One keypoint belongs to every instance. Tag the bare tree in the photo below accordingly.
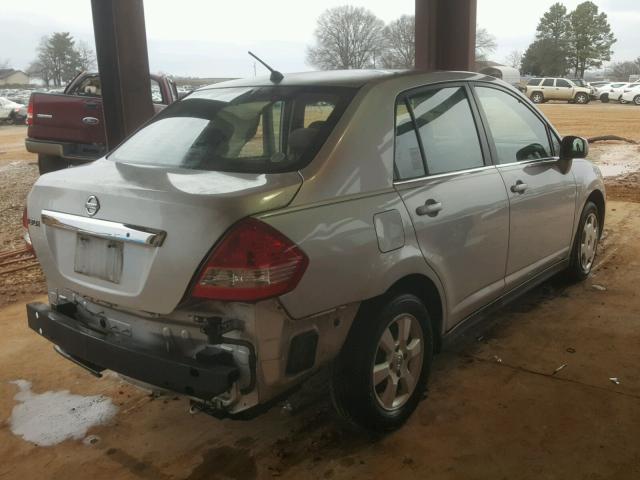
(485, 43)
(346, 37)
(86, 56)
(514, 59)
(399, 49)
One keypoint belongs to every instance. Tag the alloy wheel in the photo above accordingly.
(398, 362)
(589, 243)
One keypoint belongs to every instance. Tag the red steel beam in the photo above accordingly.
(445, 34)
(123, 63)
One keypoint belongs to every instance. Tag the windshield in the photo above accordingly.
(241, 129)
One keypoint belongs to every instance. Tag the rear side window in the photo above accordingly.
(240, 129)
(548, 82)
(562, 83)
(519, 135)
(409, 163)
(534, 82)
(447, 130)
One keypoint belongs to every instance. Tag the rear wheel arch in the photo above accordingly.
(422, 287)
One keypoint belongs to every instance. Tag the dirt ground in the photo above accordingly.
(594, 119)
(498, 407)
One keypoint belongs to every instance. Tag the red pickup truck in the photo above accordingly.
(67, 129)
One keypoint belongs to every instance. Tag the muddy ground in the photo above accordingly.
(498, 407)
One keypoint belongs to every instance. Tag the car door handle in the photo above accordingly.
(430, 208)
(91, 105)
(519, 187)
(90, 121)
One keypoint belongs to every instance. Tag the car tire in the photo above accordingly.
(51, 163)
(585, 244)
(537, 97)
(604, 98)
(378, 379)
(582, 99)
(636, 100)
(622, 101)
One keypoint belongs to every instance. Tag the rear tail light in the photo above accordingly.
(253, 261)
(30, 111)
(25, 229)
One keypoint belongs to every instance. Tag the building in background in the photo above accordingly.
(9, 76)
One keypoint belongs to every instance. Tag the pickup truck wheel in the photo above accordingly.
(537, 97)
(383, 368)
(51, 163)
(582, 99)
(585, 245)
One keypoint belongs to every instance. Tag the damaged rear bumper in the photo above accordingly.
(97, 351)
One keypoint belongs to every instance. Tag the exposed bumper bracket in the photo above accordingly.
(96, 352)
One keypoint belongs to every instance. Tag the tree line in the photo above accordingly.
(569, 42)
(60, 58)
(349, 37)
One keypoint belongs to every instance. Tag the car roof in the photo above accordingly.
(349, 78)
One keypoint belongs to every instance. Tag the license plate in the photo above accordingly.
(99, 258)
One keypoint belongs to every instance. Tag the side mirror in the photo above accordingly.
(573, 147)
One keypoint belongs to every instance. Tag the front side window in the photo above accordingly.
(519, 135)
(534, 82)
(548, 82)
(447, 130)
(562, 83)
(239, 129)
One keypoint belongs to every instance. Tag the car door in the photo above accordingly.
(541, 195)
(456, 199)
(564, 89)
(549, 89)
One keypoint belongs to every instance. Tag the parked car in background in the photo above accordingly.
(255, 232)
(609, 91)
(619, 92)
(541, 90)
(12, 112)
(66, 129)
(631, 94)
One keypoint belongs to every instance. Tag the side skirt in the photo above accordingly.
(475, 319)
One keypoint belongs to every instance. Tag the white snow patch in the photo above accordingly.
(52, 417)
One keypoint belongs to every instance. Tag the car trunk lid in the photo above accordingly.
(134, 236)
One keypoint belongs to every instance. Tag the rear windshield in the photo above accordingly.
(241, 129)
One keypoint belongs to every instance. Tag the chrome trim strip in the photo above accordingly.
(104, 229)
(44, 115)
(528, 162)
(443, 175)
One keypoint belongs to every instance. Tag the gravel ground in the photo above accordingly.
(18, 171)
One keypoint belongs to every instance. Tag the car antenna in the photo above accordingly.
(276, 76)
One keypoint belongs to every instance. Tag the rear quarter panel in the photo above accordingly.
(345, 262)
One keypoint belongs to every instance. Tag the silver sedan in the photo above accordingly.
(256, 232)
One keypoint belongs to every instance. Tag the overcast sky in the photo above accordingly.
(210, 38)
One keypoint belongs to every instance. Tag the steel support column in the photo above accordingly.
(123, 63)
(445, 34)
